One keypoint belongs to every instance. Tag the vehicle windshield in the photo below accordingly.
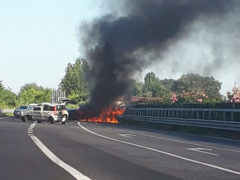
(23, 107)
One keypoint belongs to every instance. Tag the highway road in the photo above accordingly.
(111, 152)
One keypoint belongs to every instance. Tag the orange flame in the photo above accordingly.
(108, 115)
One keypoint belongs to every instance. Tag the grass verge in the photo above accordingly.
(7, 115)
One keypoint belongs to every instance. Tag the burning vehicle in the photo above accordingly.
(107, 115)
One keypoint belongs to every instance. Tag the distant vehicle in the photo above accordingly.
(50, 113)
(27, 114)
(19, 111)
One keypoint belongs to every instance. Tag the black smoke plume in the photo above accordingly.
(116, 46)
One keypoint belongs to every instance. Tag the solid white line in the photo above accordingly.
(75, 173)
(196, 144)
(162, 152)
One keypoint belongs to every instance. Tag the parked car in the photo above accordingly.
(50, 113)
(27, 114)
(19, 111)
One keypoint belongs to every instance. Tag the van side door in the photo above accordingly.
(46, 112)
(37, 113)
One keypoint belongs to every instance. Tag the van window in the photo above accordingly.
(51, 108)
(23, 107)
(37, 109)
(46, 107)
(61, 107)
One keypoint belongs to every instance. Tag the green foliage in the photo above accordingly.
(190, 88)
(32, 93)
(153, 87)
(7, 98)
(76, 82)
(137, 89)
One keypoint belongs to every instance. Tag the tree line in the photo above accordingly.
(189, 88)
(29, 93)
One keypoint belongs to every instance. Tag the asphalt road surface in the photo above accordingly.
(111, 152)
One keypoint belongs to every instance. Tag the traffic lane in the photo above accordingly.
(101, 158)
(188, 140)
(191, 140)
(169, 147)
(229, 144)
(213, 155)
(20, 159)
(89, 155)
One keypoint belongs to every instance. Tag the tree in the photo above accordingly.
(8, 99)
(153, 87)
(32, 93)
(137, 89)
(193, 88)
(75, 81)
(234, 97)
(189, 88)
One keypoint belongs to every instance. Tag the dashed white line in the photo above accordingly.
(75, 173)
(127, 135)
(162, 152)
(196, 144)
(203, 150)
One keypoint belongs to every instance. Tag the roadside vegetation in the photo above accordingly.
(188, 89)
(29, 93)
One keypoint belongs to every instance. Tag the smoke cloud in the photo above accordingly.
(118, 46)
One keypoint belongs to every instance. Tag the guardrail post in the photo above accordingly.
(197, 114)
(232, 116)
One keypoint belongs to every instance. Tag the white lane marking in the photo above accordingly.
(162, 152)
(131, 132)
(75, 173)
(127, 135)
(195, 144)
(203, 150)
(5, 117)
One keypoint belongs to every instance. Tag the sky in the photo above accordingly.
(39, 38)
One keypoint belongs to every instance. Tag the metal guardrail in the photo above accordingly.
(227, 119)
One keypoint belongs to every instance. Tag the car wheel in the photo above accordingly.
(39, 121)
(24, 119)
(29, 118)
